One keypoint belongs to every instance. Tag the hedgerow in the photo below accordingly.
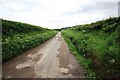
(18, 37)
(98, 43)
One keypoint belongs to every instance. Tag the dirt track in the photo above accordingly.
(52, 59)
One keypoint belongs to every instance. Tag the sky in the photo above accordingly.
(54, 14)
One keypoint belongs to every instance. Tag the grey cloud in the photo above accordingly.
(108, 8)
(119, 8)
(99, 6)
(27, 5)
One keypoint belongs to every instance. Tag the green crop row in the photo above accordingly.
(97, 48)
(15, 42)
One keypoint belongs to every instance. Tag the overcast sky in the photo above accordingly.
(54, 14)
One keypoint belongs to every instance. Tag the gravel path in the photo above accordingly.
(51, 59)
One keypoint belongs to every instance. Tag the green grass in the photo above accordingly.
(19, 37)
(96, 46)
(82, 61)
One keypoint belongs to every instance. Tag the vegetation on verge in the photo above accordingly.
(96, 46)
(18, 37)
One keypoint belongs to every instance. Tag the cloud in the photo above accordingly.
(102, 9)
(57, 13)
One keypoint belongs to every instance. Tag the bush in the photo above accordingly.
(99, 42)
(19, 37)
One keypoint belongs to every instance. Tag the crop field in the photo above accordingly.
(18, 37)
(96, 46)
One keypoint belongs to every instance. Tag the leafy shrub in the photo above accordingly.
(19, 37)
(99, 42)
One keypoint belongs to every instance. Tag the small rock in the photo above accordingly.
(64, 70)
(9, 77)
(70, 66)
(22, 66)
(70, 75)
